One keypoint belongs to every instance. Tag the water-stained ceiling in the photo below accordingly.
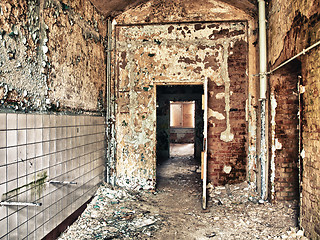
(113, 8)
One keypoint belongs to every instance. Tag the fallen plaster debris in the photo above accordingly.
(234, 212)
(114, 213)
(239, 213)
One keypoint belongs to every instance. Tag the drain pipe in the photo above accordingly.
(110, 135)
(263, 96)
(108, 102)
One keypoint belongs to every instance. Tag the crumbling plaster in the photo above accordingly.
(290, 27)
(294, 26)
(182, 53)
(48, 50)
(115, 7)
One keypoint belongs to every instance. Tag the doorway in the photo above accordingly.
(179, 133)
(185, 125)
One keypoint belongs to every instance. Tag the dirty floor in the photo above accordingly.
(181, 149)
(174, 211)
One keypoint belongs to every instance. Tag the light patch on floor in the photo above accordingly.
(181, 149)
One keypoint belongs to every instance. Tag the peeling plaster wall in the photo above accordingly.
(159, 12)
(52, 56)
(183, 53)
(52, 81)
(227, 129)
(294, 26)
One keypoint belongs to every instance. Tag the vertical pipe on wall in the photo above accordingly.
(110, 158)
(108, 72)
(263, 49)
(205, 144)
(263, 94)
(300, 91)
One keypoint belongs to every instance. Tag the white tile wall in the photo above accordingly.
(61, 147)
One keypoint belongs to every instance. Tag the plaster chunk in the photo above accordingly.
(278, 144)
(220, 95)
(226, 136)
(217, 115)
(227, 169)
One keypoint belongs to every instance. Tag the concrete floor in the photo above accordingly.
(174, 211)
(181, 149)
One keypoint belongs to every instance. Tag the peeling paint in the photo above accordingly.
(278, 145)
(179, 58)
(227, 169)
(252, 149)
(30, 35)
(226, 136)
(273, 103)
(220, 95)
(217, 115)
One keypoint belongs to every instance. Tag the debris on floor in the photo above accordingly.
(174, 211)
(233, 194)
(114, 213)
(238, 213)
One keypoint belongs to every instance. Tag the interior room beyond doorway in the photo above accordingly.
(182, 128)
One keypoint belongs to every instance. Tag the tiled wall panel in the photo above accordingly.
(36, 149)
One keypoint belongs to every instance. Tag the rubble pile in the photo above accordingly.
(174, 212)
(237, 212)
(232, 194)
(114, 213)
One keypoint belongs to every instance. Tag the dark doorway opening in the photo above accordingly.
(287, 131)
(179, 131)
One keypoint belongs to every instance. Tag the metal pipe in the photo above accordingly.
(20, 204)
(62, 182)
(109, 46)
(263, 95)
(205, 145)
(108, 93)
(304, 51)
(263, 151)
(300, 91)
(111, 107)
(263, 49)
(298, 55)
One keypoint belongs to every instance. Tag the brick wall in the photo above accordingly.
(310, 203)
(294, 26)
(229, 154)
(285, 133)
(182, 135)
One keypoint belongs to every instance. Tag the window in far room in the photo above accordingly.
(182, 114)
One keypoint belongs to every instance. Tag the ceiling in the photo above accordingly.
(112, 8)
